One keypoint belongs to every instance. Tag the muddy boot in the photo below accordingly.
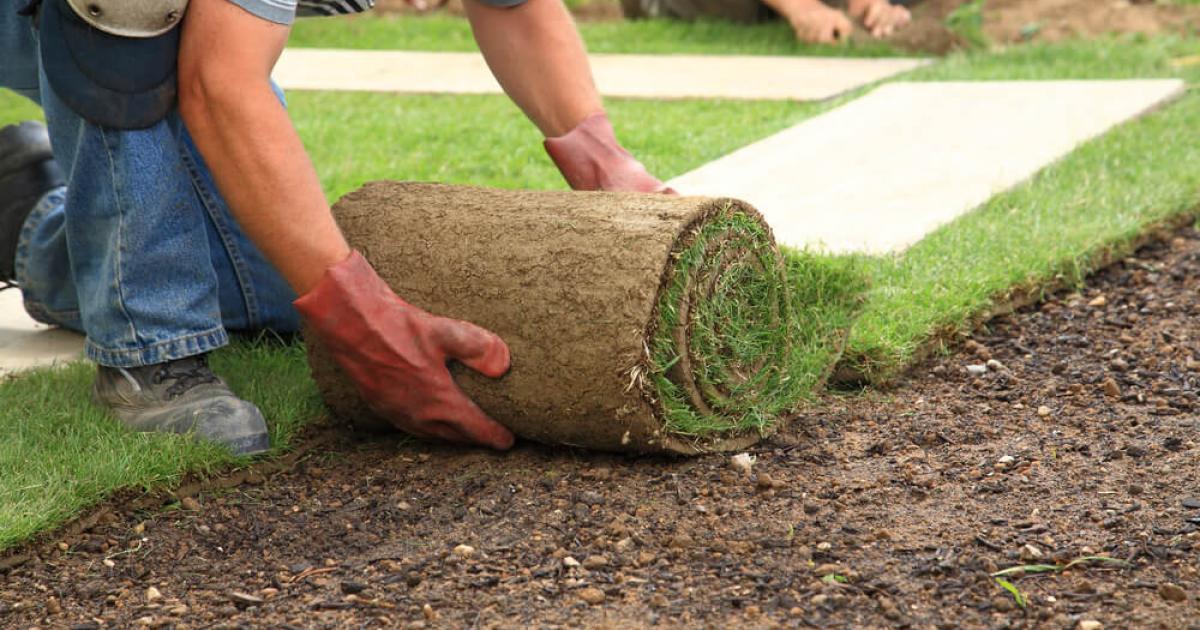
(182, 396)
(27, 172)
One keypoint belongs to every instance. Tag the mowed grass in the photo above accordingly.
(449, 33)
(61, 454)
(65, 456)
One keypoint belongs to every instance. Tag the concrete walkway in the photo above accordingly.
(25, 343)
(635, 76)
(879, 173)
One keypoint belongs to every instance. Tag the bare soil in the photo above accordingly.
(876, 510)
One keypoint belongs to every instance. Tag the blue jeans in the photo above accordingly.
(139, 251)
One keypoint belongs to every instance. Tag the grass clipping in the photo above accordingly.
(639, 323)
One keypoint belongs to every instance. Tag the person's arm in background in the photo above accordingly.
(816, 23)
(538, 57)
(813, 21)
(395, 353)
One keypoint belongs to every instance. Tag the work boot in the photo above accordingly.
(27, 172)
(182, 396)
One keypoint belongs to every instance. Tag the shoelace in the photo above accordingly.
(194, 373)
(7, 284)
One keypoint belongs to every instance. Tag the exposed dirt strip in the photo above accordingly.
(1063, 433)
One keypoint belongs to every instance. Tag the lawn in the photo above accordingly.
(442, 32)
(62, 456)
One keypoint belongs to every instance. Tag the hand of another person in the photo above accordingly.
(881, 18)
(590, 158)
(397, 354)
(816, 23)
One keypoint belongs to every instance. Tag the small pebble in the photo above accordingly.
(1172, 592)
(764, 481)
(595, 562)
(1005, 461)
(977, 370)
(153, 594)
(464, 551)
(570, 562)
(1192, 503)
(1030, 553)
(1043, 411)
(993, 364)
(1090, 624)
(429, 612)
(743, 463)
(1098, 301)
(190, 503)
(592, 595)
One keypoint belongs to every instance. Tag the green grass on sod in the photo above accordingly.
(760, 335)
(448, 33)
(60, 456)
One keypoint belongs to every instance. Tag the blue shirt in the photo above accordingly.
(286, 11)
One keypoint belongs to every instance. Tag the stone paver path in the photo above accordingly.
(879, 173)
(25, 343)
(637, 76)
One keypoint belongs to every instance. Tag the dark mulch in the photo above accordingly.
(885, 509)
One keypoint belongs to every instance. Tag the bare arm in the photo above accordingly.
(248, 141)
(538, 58)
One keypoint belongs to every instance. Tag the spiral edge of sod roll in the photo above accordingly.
(718, 343)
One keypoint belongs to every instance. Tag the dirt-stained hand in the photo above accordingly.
(880, 17)
(819, 24)
(397, 355)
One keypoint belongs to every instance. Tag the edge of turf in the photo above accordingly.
(164, 497)
(1089, 209)
(855, 370)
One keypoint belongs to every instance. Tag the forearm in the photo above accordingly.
(248, 141)
(537, 56)
(268, 181)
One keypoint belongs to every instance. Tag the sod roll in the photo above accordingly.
(641, 323)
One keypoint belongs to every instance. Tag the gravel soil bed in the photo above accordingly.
(1063, 431)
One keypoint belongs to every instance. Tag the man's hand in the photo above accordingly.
(816, 23)
(396, 354)
(590, 158)
(537, 56)
(880, 17)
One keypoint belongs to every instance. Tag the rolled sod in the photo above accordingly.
(640, 323)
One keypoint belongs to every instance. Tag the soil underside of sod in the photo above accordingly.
(1080, 441)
